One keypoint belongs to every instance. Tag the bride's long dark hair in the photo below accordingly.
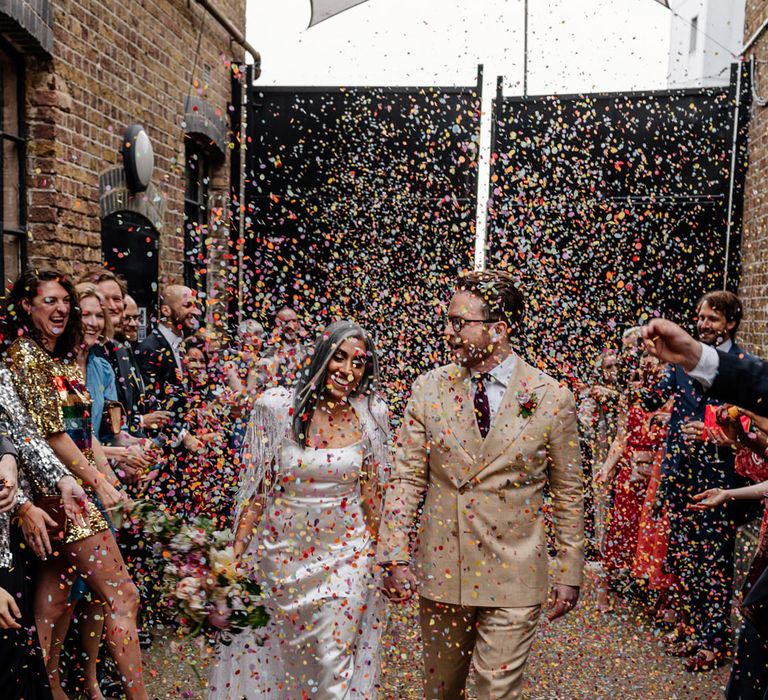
(311, 382)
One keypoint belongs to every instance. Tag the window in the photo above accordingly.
(694, 34)
(12, 165)
(129, 245)
(196, 217)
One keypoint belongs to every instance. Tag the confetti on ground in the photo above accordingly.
(586, 656)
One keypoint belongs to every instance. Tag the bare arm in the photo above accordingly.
(370, 491)
(711, 498)
(251, 515)
(66, 450)
(619, 444)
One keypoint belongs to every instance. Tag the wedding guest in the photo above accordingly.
(309, 512)
(134, 456)
(286, 349)
(701, 544)
(140, 420)
(246, 371)
(47, 327)
(653, 531)
(627, 469)
(598, 416)
(207, 477)
(131, 456)
(160, 359)
(22, 669)
(749, 674)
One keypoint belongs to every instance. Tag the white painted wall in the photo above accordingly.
(719, 39)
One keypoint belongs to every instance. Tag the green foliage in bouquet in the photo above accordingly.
(204, 588)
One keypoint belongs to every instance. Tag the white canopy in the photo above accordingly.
(323, 9)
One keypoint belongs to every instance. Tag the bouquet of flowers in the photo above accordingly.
(204, 588)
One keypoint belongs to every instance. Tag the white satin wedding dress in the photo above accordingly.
(315, 558)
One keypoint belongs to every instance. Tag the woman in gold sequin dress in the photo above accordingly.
(42, 308)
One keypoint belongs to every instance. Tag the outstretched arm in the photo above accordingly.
(670, 343)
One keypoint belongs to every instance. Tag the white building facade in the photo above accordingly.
(705, 38)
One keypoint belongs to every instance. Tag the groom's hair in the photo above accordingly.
(503, 300)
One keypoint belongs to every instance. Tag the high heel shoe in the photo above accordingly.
(705, 660)
(679, 643)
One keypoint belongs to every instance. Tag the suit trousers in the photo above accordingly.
(704, 547)
(496, 641)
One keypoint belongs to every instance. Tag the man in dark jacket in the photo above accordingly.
(741, 381)
(701, 547)
(160, 357)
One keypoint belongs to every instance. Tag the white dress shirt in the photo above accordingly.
(709, 363)
(174, 341)
(497, 384)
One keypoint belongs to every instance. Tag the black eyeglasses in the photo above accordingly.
(458, 322)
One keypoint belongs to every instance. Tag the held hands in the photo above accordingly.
(563, 599)
(9, 611)
(670, 343)
(8, 485)
(34, 524)
(398, 583)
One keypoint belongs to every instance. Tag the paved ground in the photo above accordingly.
(586, 656)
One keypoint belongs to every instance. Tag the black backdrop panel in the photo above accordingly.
(361, 203)
(612, 208)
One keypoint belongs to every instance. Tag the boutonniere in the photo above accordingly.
(527, 403)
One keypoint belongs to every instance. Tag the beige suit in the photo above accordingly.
(481, 543)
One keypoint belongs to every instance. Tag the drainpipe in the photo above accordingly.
(237, 36)
(732, 178)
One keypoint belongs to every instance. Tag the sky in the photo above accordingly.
(574, 45)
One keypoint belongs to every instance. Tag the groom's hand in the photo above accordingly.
(564, 600)
(398, 582)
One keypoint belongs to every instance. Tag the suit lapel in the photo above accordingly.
(459, 409)
(509, 423)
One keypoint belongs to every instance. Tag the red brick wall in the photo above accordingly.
(754, 273)
(118, 62)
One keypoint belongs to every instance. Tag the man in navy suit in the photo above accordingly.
(701, 547)
(741, 381)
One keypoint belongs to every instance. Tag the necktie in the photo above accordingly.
(482, 407)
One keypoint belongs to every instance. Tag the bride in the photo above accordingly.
(315, 459)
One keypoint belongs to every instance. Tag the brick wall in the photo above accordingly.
(754, 274)
(116, 63)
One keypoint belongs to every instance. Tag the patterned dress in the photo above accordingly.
(623, 523)
(55, 395)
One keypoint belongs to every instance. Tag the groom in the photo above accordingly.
(480, 439)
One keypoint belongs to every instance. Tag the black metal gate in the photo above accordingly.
(615, 207)
(360, 203)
